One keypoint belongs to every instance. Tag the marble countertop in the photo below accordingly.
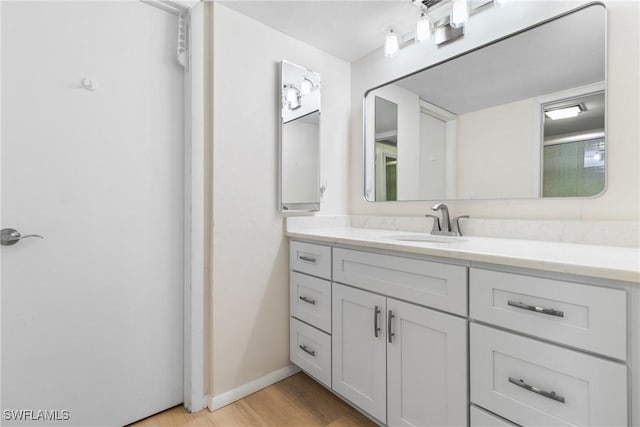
(606, 262)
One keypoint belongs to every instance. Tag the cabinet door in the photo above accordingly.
(359, 349)
(427, 366)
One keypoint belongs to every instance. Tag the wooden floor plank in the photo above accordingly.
(297, 401)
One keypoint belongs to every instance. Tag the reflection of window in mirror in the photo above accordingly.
(386, 135)
(574, 147)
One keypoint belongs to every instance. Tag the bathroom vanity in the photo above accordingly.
(474, 331)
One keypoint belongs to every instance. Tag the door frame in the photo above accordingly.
(196, 224)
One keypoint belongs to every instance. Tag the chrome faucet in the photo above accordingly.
(445, 227)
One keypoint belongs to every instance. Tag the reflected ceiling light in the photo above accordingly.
(391, 44)
(564, 112)
(459, 13)
(500, 3)
(423, 28)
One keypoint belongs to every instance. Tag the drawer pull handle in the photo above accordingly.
(389, 333)
(549, 311)
(306, 350)
(307, 258)
(376, 328)
(307, 300)
(548, 394)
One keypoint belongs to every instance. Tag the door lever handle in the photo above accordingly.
(11, 236)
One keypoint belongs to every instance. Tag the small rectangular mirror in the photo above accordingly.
(521, 117)
(299, 139)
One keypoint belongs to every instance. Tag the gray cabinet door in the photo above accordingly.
(359, 349)
(427, 367)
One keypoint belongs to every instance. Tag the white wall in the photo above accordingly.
(250, 252)
(496, 152)
(622, 198)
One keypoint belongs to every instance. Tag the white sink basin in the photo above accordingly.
(424, 238)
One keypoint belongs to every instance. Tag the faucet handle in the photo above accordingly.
(456, 224)
(436, 223)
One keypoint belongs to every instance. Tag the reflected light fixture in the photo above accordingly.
(391, 44)
(459, 13)
(500, 3)
(292, 96)
(564, 112)
(306, 86)
(423, 28)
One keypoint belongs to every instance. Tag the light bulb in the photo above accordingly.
(306, 86)
(423, 32)
(391, 44)
(459, 13)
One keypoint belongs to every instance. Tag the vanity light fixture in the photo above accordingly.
(292, 97)
(564, 112)
(459, 13)
(391, 44)
(423, 28)
(306, 86)
(440, 20)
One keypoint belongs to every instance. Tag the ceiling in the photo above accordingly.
(345, 29)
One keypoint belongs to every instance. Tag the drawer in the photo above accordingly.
(583, 316)
(310, 300)
(310, 349)
(534, 383)
(441, 286)
(310, 259)
(482, 418)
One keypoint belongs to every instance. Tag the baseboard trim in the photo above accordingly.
(224, 399)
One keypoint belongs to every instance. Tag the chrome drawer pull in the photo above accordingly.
(306, 350)
(376, 328)
(307, 258)
(548, 394)
(549, 311)
(390, 334)
(308, 301)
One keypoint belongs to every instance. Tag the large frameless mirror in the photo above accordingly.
(523, 117)
(299, 139)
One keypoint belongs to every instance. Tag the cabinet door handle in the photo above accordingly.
(376, 328)
(549, 311)
(307, 300)
(548, 394)
(306, 258)
(389, 333)
(306, 350)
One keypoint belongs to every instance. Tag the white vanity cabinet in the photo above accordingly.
(402, 362)
(396, 355)
(560, 362)
(310, 309)
(421, 341)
